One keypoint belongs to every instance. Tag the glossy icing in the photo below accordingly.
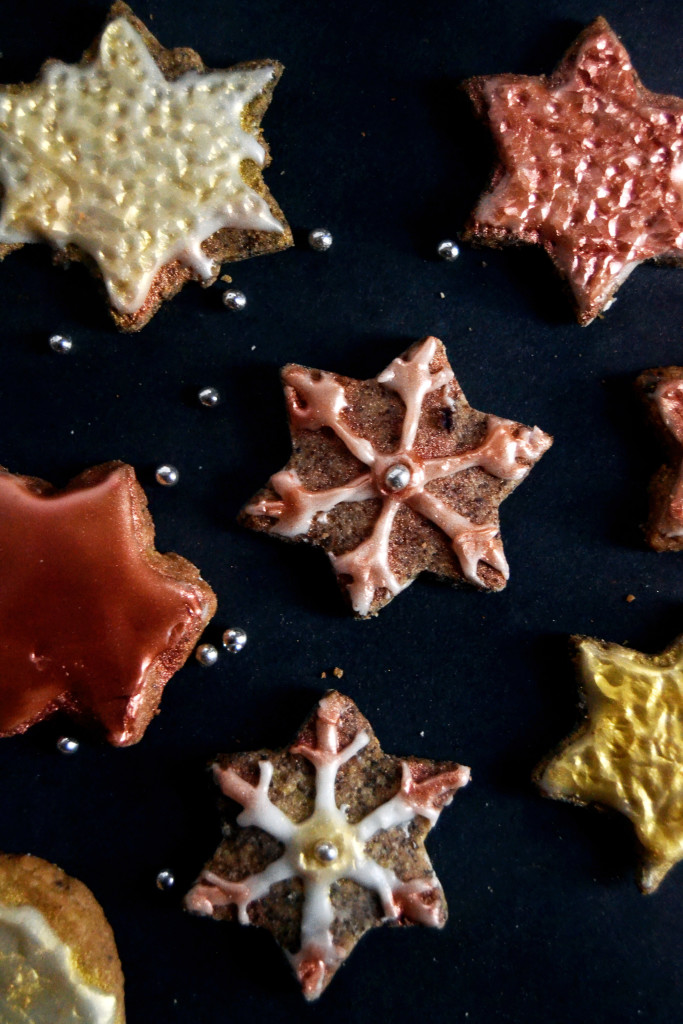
(319, 401)
(39, 980)
(629, 754)
(328, 828)
(591, 167)
(134, 169)
(85, 611)
(668, 398)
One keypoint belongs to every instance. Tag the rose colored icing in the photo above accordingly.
(669, 400)
(318, 401)
(413, 900)
(136, 170)
(83, 613)
(591, 167)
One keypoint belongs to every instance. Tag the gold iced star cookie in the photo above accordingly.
(629, 753)
(142, 163)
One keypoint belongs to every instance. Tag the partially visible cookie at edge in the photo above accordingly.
(662, 392)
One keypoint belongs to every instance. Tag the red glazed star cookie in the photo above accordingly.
(93, 620)
(396, 476)
(662, 391)
(330, 843)
(590, 168)
(142, 162)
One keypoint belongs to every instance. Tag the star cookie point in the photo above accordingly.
(142, 162)
(395, 476)
(330, 841)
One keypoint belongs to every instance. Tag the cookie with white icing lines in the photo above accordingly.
(330, 841)
(396, 476)
(58, 958)
(141, 162)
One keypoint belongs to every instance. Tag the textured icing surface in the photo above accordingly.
(39, 981)
(317, 400)
(630, 755)
(83, 613)
(591, 167)
(344, 844)
(134, 169)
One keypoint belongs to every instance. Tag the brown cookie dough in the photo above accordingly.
(395, 476)
(662, 392)
(330, 842)
(150, 197)
(57, 951)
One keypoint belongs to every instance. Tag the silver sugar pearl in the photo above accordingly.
(67, 745)
(397, 477)
(165, 880)
(233, 299)
(326, 852)
(209, 397)
(206, 655)
(167, 476)
(60, 343)
(234, 639)
(320, 239)
(448, 250)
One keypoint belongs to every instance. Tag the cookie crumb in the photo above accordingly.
(323, 675)
(226, 278)
(338, 673)
(630, 598)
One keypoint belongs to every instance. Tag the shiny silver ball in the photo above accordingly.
(165, 880)
(209, 397)
(320, 239)
(326, 852)
(448, 250)
(167, 476)
(397, 477)
(206, 655)
(67, 745)
(233, 299)
(234, 639)
(60, 343)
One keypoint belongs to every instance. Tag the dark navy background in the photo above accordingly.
(370, 138)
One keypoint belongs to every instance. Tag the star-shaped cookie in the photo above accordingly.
(330, 843)
(396, 476)
(662, 392)
(141, 162)
(629, 753)
(590, 167)
(93, 620)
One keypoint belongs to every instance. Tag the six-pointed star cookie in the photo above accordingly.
(331, 841)
(629, 753)
(141, 161)
(590, 167)
(396, 476)
(93, 620)
(662, 391)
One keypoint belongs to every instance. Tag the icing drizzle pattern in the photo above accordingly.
(134, 169)
(304, 844)
(318, 402)
(669, 400)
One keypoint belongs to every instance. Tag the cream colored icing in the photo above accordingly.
(316, 402)
(134, 169)
(669, 400)
(39, 981)
(413, 900)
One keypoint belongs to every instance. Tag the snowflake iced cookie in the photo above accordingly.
(330, 841)
(142, 163)
(58, 958)
(628, 754)
(396, 476)
(93, 620)
(590, 165)
(662, 392)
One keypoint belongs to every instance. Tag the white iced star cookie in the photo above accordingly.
(141, 161)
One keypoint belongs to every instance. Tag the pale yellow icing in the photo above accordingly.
(134, 169)
(39, 981)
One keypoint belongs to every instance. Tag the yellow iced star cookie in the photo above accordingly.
(143, 161)
(629, 753)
